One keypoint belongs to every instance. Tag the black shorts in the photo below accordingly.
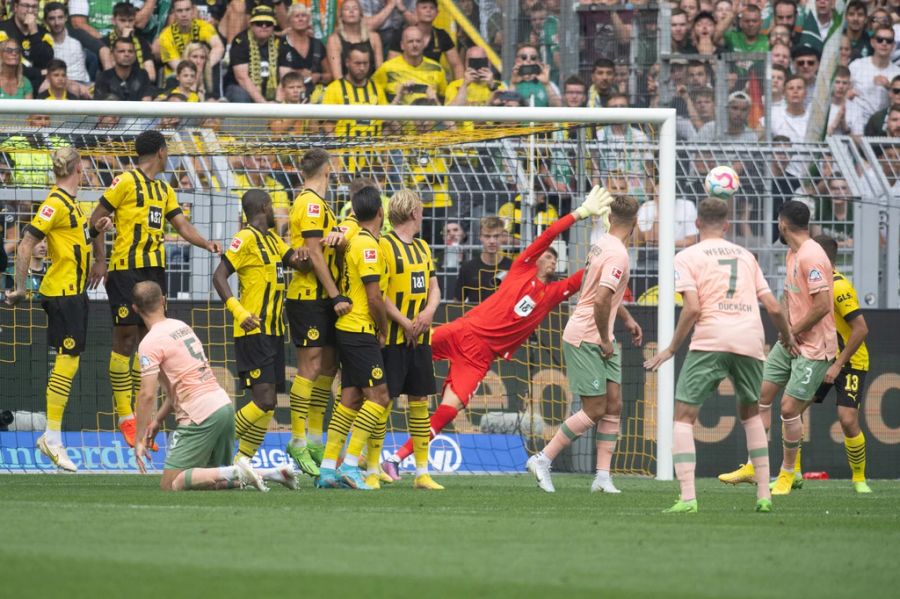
(119, 285)
(67, 320)
(260, 359)
(848, 387)
(361, 362)
(410, 370)
(311, 322)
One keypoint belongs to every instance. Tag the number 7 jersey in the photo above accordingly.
(140, 204)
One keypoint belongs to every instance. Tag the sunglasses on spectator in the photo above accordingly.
(895, 90)
(264, 24)
(806, 63)
(12, 50)
(884, 40)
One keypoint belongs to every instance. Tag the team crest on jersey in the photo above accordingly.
(145, 362)
(815, 275)
(616, 273)
(524, 306)
(370, 256)
(313, 209)
(254, 374)
(69, 343)
(236, 244)
(123, 311)
(312, 334)
(47, 212)
(377, 373)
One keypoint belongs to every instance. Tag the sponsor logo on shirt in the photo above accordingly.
(47, 212)
(370, 256)
(616, 273)
(114, 182)
(235, 244)
(815, 275)
(313, 210)
(145, 362)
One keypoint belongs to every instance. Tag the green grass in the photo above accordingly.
(117, 536)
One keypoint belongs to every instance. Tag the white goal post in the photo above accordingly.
(663, 118)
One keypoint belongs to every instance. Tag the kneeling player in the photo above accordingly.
(199, 456)
(722, 285)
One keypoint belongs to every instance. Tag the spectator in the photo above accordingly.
(651, 87)
(621, 78)
(701, 109)
(877, 123)
(479, 277)
(454, 237)
(632, 165)
(477, 84)
(255, 172)
(603, 76)
(57, 85)
(439, 43)
(151, 16)
(389, 17)
(186, 28)
(785, 15)
(806, 65)
(737, 131)
(170, 123)
(837, 214)
(681, 34)
(35, 42)
(783, 182)
(857, 32)
(65, 47)
(14, 85)
(124, 79)
(704, 33)
(545, 35)
(123, 27)
(777, 81)
(691, 8)
(574, 92)
(293, 91)
(428, 174)
(723, 10)
(302, 53)
(844, 117)
(685, 223)
(531, 78)
(470, 10)
(791, 121)
(188, 80)
(355, 87)
(411, 68)
(779, 34)
(871, 76)
(781, 55)
(90, 22)
(352, 31)
(698, 75)
(748, 38)
(211, 11)
(543, 213)
(846, 52)
(253, 58)
(819, 22)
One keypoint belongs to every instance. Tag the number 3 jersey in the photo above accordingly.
(172, 347)
(410, 269)
(140, 205)
(61, 220)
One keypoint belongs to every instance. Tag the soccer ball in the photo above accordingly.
(722, 182)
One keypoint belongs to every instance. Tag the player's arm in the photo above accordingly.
(189, 233)
(777, 315)
(247, 320)
(426, 316)
(394, 313)
(821, 307)
(376, 304)
(847, 306)
(631, 325)
(690, 312)
(143, 413)
(23, 259)
(602, 307)
(341, 303)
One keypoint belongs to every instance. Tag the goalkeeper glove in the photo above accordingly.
(594, 203)
(239, 312)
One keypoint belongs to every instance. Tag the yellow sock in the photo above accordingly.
(341, 420)
(797, 469)
(376, 441)
(420, 431)
(318, 403)
(366, 422)
(136, 374)
(247, 424)
(59, 386)
(856, 456)
(120, 379)
(301, 392)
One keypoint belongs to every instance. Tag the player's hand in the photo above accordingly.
(333, 239)
(300, 260)
(422, 323)
(656, 361)
(607, 348)
(140, 455)
(382, 338)
(97, 275)
(594, 203)
(250, 323)
(14, 297)
(470, 76)
(832, 373)
(214, 247)
(791, 344)
(634, 329)
(342, 305)
(150, 433)
(544, 76)
(104, 225)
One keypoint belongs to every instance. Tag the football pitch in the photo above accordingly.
(485, 536)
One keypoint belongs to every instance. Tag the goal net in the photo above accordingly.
(527, 166)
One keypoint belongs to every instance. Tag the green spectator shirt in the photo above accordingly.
(736, 41)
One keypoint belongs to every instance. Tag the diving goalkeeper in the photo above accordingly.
(500, 324)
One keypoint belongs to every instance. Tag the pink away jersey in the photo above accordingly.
(728, 281)
(172, 347)
(607, 266)
(808, 273)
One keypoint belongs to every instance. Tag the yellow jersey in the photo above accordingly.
(342, 91)
(363, 263)
(61, 220)
(172, 42)
(846, 308)
(410, 270)
(258, 258)
(280, 199)
(396, 71)
(511, 213)
(429, 176)
(311, 217)
(140, 205)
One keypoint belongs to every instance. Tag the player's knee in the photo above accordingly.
(849, 419)
(124, 340)
(264, 396)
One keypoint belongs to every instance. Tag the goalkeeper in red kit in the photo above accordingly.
(499, 325)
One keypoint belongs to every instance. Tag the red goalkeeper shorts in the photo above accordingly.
(470, 358)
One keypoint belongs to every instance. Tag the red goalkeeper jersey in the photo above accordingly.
(506, 319)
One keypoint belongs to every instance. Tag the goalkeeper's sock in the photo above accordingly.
(59, 386)
(607, 436)
(363, 427)
(575, 425)
(376, 442)
(120, 379)
(684, 455)
(341, 420)
(301, 392)
(419, 433)
(443, 416)
(250, 425)
(758, 450)
(856, 456)
(791, 435)
(318, 404)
